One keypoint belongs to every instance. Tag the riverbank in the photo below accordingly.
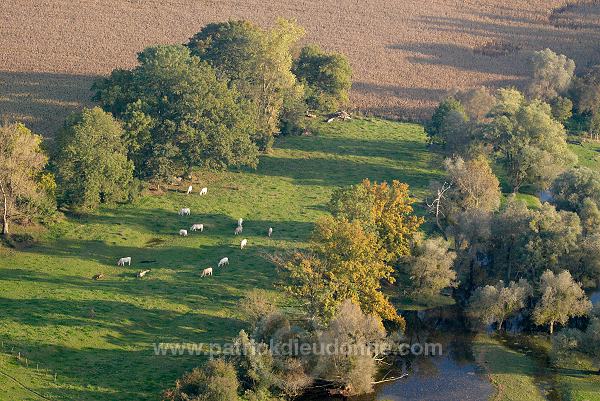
(511, 372)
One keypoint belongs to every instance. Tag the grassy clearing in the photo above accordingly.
(588, 153)
(578, 379)
(97, 336)
(511, 372)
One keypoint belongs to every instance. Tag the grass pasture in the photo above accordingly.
(97, 336)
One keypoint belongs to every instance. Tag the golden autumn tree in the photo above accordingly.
(353, 251)
(383, 209)
(345, 262)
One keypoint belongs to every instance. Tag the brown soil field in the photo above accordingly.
(406, 54)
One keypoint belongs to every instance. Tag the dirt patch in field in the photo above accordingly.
(405, 54)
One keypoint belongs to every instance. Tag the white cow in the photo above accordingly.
(207, 272)
(243, 243)
(204, 191)
(142, 273)
(238, 230)
(189, 191)
(183, 233)
(240, 222)
(122, 261)
(270, 231)
(197, 227)
(223, 262)
(186, 211)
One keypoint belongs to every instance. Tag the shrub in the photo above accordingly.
(215, 381)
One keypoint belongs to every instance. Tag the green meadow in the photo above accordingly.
(81, 339)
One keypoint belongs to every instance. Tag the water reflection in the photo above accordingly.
(453, 375)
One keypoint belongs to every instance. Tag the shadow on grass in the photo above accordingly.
(342, 172)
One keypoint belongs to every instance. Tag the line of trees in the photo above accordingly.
(215, 102)
(546, 254)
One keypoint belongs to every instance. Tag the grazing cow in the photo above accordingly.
(189, 191)
(223, 262)
(243, 243)
(197, 227)
(238, 230)
(98, 276)
(240, 222)
(142, 273)
(206, 272)
(122, 261)
(183, 233)
(270, 231)
(204, 191)
(186, 211)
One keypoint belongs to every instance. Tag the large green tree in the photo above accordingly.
(90, 161)
(178, 115)
(551, 74)
(531, 144)
(21, 164)
(431, 267)
(574, 186)
(495, 304)
(258, 62)
(327, 76)
(561, 299)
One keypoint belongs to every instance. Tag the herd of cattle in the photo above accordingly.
(184, 233)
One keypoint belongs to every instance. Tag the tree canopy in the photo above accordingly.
(91, 162)
(561, 299)
(258, 63)
(531, 144)
(178, 115)
(327, 77)
(22, 162)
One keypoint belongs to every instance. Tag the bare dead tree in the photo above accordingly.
(435, 207)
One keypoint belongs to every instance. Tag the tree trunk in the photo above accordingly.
(552, 327)
(4, 211)
(500, 325)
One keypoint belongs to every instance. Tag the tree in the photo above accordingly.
(345, 262)
(90, 161)
(356, 337)
(551, 74)
(510, 234)
(477, 103)
(574, 186)
(509, 101)
(495, 304)
(562, 109)
(383, 209)
(553, 237)
(22, 162)
(258, 62)
(215, 381)
(586, 91)
(561, 299)
(256, 304)
(178, 115)
(531, 144)
(590, 217)
(474, 185)
(430, 267)
(327, 76)
(450, 112)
